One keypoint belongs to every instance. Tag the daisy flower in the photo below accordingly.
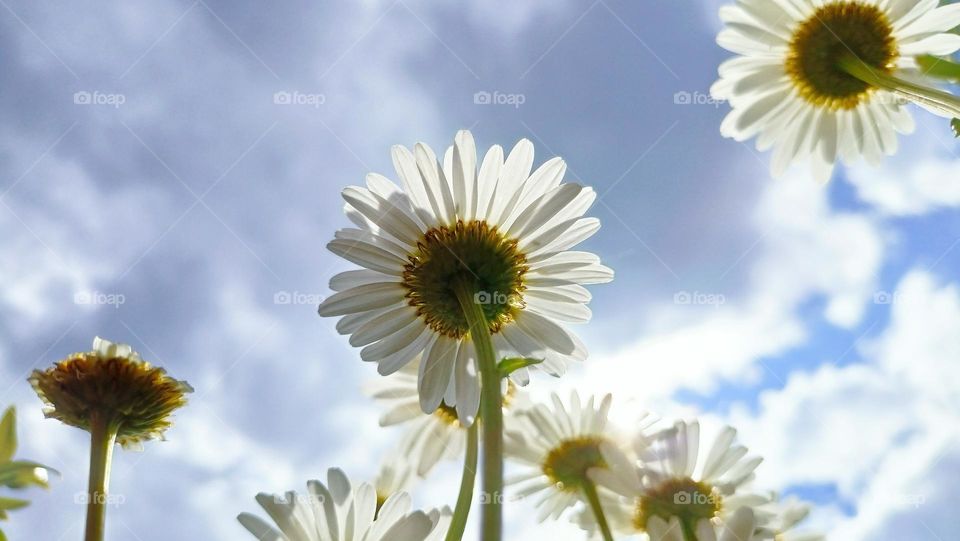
(113, 385)
(665, 487)
(430, 437)
(117, 397)
(499, 230)
(740, 527)
(395, 476)
(820, 80)
(558, 446)
(337, 511)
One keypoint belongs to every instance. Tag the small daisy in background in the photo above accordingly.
(394, 476)
(338, 511)
(661, 483)
(822, 80)
(505, 230)
(429, 437)
(558, 446)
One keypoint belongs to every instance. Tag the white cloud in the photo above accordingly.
(922, 178)
(880, 429)
(807, 251)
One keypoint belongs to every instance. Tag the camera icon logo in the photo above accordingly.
(282, 98)
(681, 498)
(82, 98)
(483, 297)
(683, 98)
(482, 98)
(882, 297)
(282, 297)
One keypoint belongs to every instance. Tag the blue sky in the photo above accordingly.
(177, 219)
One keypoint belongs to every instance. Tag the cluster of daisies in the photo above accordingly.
(507, 231)
(469, 275)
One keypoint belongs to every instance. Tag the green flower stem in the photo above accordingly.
(103, 436)
(491, 409)
(590, 491)
(944, 102)
(941, 68)
(459, 522)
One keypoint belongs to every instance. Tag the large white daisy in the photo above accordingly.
(429, 437)
(665, 485)
(788, 86)
(337, 511)
(502, 229)
(557, 447)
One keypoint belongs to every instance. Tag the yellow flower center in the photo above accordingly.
(448, 414)
(472, 250)
(833, 31)
(688, 500)
(567, 464)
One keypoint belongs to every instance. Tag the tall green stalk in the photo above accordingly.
(944, 102)
(590, 491)
(103, 436)
(491, 410)
(465, 499)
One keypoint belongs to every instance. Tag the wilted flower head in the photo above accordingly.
(134, 397)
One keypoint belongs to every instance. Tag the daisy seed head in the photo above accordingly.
(836, 30)
(567, 464)
(477, 251)
(112, 381)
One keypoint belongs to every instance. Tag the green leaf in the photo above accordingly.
(510, 365)
(941, 68)
(23, 473)
(955, 124)
(8, 434)
(7, 504)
